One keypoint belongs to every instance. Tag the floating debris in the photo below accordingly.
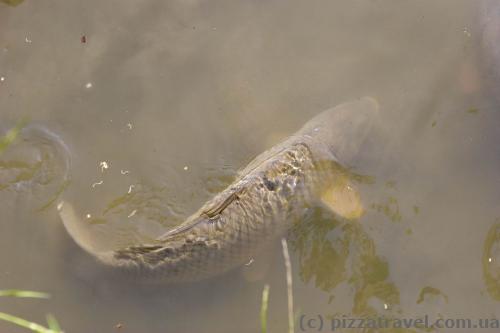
(472, 110)
(83, 39)
(27, 40)
(98, 183)
(104, 166)
(131, 187)
(132, 214)
(124, 172)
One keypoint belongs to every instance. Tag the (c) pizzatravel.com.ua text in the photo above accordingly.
(323, 323)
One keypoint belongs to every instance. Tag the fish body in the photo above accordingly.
(266, 199)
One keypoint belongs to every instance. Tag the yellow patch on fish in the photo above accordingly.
(344, 200)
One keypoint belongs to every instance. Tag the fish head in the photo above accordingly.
(340, 132)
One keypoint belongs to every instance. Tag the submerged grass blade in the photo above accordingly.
(288, 266)
(26, 324)
(53, 323)
(23, 293)
(263, 309)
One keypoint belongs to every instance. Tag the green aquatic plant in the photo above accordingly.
(11, 135)
(12, 2)
(432, 292)
(390, 208)
(52, 324)
(491, 268)
(332, 251)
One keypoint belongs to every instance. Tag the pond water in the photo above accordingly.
(136, 113)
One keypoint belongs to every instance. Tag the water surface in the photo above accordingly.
(158, 104)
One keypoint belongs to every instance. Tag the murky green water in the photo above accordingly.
(154, 106)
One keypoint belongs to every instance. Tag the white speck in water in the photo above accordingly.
(467, 32)
(27, 40)
(490, 259)
(316, 129)
(386, 306)
(124, 172)
(250, 262)
(60, 206)
(88, 85)
(98, 183)
(133, 213)
(131, 187)
(129, 125)
(89, 216)
(104, 165)
(2, 78)
(186, 168)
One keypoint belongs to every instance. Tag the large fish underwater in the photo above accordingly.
(268, 196)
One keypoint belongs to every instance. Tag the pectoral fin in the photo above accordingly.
(343, 200)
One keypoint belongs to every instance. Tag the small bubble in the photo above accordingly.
(2, 78)
(186, 168)
(88, 85)
(490, 259)
(89, 216)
